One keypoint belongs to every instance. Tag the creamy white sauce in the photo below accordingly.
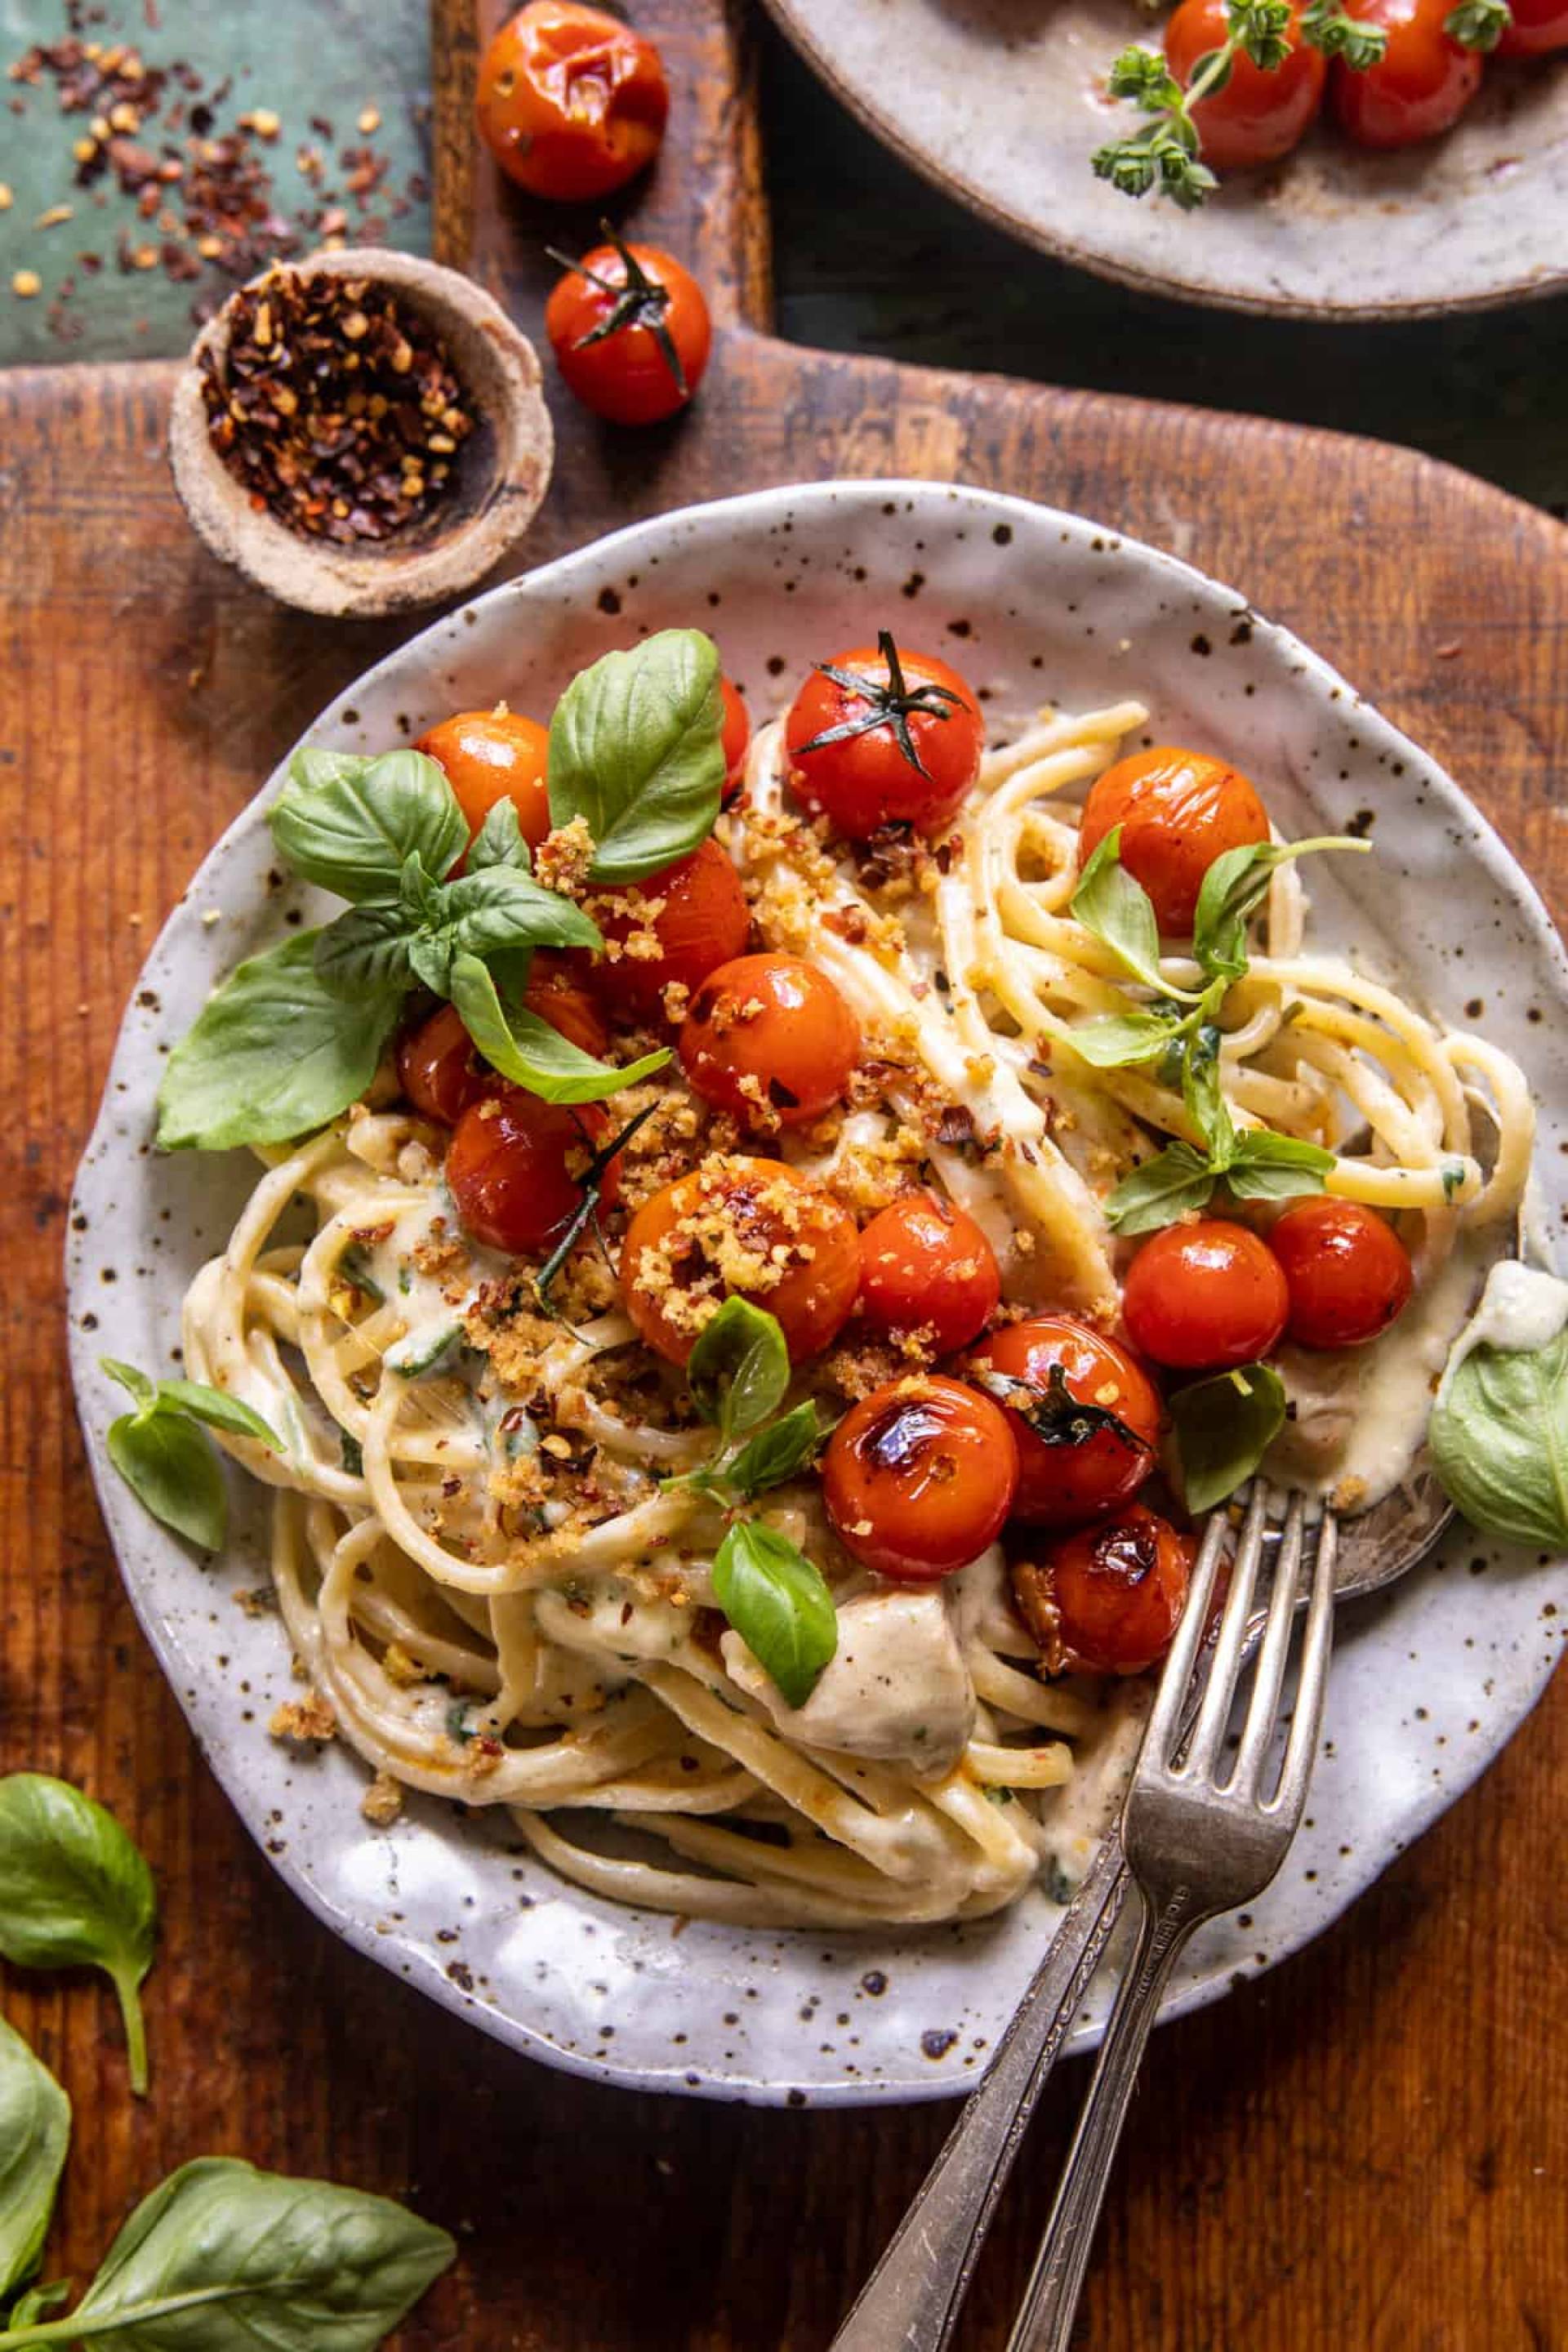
(1361, 1413)
(896, 1689)
(1521, 1309)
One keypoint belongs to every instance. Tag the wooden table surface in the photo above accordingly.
(1365, 2150)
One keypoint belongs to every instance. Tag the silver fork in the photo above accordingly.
(1197, 1844)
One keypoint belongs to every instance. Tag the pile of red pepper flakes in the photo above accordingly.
(203, 191)
(336, 406)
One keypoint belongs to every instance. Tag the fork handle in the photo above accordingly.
(912, 2301)
(1051, 2298)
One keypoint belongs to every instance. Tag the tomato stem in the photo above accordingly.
(890, 704)
(638, 301)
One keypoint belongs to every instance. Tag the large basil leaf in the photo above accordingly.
(351, 823)
(1499, 1436)
(499, 841)
(218, 1410)
(34, 2133)
(1120, 912)
(635, 748)
(272, 1055)
(776, 1452)
(364, 952)
(75, 1892)
(1224, 1428)
(529, 1052)
(174, 1473)
(779, 1604)
(1268, 1167)
(739, 1369)
(1159, 1191)
(222, 2258)
(1235, 886)
(1115, 1041)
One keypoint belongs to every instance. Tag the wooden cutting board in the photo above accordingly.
(1365, 2148)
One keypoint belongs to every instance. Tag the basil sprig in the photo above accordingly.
(164, 1457)
(34, 2133)
(224, 2257)
(779, 1604)
(1117, 909)
(1254, 1163)
(294, 1035)
(1236, 886)
(75, 1891)
(739, 1373)
(1224, 1427)
(635, 750)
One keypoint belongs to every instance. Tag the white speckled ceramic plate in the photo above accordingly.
(1002, 103)
(1428, 1684)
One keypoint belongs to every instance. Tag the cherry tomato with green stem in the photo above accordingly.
(630, 330)
(1254, 117)
(1419, 87)
(1084, 1412)
(884, 736)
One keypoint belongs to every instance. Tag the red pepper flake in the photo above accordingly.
(335, 405)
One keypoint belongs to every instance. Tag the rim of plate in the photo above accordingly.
(208, 1710)
(1534, 285)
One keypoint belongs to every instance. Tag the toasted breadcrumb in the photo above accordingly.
(303, 1720)
(383, 1801)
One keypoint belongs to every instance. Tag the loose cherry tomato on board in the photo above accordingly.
(494, 755)
(1346, 1269)
(736, 739)
(1205, 1298)
(1421, 84)
(1537, 27)
(740, 1228)
(514, 1165)
(630, 330)
(571, 101)
(1178, 812)
(926, 1266)
(1085, 1416)
(679, 925)
(1108, 1600)
(768, 1034)
(1254, 117)
(885, 738)
(919, 1477)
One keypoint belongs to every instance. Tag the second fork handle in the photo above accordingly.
(1051, 2298)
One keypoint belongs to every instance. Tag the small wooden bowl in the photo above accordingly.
(500, 475)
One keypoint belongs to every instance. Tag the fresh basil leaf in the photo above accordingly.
(499, 841)
(272, 1055)
(222, 2258)
(34, 2133)
(1204, 1097)
(779, 1604)
(635, 748)
(218, 1409)
(174, 1473)
(422, 1352)
(1159, 1191)
(352, 824)
(1269, 1167)
(1499, 1436)
(1120, 911)
(36, 2305)
(529, 1052)
(1224, 1428)
(364, 952)
(75, 1892)
(500, 908)
(739, 1369)
(144, 1390)
(1235, 886)
(1113, 1040)
(776, 1452)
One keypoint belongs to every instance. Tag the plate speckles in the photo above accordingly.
(445, 1898)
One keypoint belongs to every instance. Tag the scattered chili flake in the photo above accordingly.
(335, 405)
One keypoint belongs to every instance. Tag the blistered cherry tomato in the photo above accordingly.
(513, 1168)
(1421, 84)
(1255, 117)
(494, 755)
(1106, 1599)
(439, 1068)
(557, 993)
(1537, 27)
(1346, 1269)
(1073, 1467)
(1178, 812)
(926, 1266)
(919, 1477)
(630, 330)
(740, 1228)
(770, 1034)
(911, 747)
(1205, 1298)
(571, 101)
(736, 739)
(679, 925)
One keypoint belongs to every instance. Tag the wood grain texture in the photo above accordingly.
(1364, 2151)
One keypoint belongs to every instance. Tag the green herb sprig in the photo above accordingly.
(295, 1034)
(163, 1454)
(1166, 154)
(75, 1892)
